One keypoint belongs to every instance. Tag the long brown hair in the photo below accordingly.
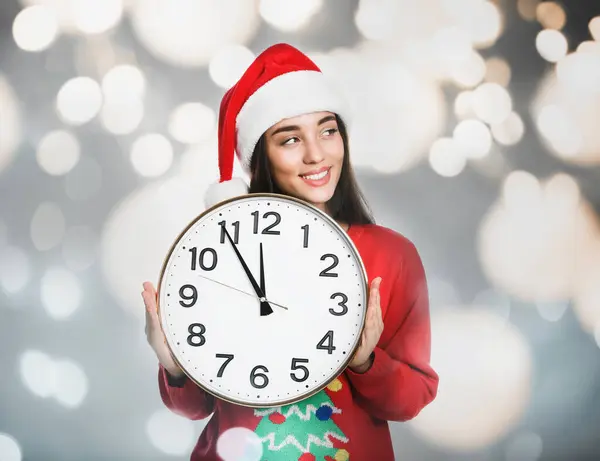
(347, 204)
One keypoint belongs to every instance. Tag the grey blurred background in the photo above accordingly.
(476, 136)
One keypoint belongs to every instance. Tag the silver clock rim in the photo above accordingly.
(363, 275)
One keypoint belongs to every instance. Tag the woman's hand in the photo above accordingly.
(154, 333)
(362, 361)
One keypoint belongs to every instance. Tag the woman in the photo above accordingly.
(286, 124)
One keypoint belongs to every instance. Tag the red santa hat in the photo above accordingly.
(282, 82)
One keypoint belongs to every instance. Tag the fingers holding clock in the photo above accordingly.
(372, 330)
(149, 296)
(154, 333)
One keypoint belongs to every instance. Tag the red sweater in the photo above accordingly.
(348, 420)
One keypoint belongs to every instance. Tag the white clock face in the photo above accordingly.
(234, 345)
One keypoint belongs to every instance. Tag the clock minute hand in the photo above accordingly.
(262, 272)
(265, 307)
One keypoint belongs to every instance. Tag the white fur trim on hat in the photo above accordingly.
(288, 95)
(217, 192)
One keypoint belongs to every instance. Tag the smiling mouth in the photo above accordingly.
(316, 176)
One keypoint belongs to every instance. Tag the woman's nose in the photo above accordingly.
(313, 152)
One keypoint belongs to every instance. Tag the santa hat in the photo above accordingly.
(281, 83)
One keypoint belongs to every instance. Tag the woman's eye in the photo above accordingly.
(289, 141)
(330, 131)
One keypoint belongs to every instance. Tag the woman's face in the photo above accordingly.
(306, 154)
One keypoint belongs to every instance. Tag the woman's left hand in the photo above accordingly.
(361, 361)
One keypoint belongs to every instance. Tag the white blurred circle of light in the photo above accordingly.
(15, 269)
(378, 20)
(451, 46)
(560, 130)
(551, 15)
(85, 180)
(481, 20)
(463, 105)
(392, 99)
(94, 17)
(586, 297)
(467, 341)
(10, 125)
(123, 82)
(497, 71)
(79, 248)
(151, 154)
(192, 122)
(9, 448)
(566, 116)
(526, 446)
(58, 152)
(552, 311)
(530, 241)
(71, 385)
(289, 16)
(510, 131)
(63, 9)
(38, 373)
(469, 72)
(60, 293)
(35, 28)
(229, 63)
(588, 46)
(79, 100)
(170, 433)
(122, 116)
(491, 102)
(446, 157)
(551, 44)
(580, 71)
(239, 443)
(594, 27)
(520, 190)
(473, 137)
(188, 33)
(47, 227)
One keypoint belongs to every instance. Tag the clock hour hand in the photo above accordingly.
(265, 307)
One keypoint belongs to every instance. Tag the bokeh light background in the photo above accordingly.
(477, 136)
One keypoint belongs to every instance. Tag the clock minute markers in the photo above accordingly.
(265, 307)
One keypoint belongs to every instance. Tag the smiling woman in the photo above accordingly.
(309, 157)
(286, 123)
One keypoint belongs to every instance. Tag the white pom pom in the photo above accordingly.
(220, 191)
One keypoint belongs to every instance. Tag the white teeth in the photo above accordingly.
(314, 177)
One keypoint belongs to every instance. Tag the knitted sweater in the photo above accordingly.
(347, 421)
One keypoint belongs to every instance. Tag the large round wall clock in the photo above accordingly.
(262, 300)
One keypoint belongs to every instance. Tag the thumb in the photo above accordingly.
(375, 283)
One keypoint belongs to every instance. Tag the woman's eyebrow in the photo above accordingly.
(286, 128)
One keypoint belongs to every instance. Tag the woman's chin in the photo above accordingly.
(317, 198)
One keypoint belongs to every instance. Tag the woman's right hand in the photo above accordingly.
(154, 333)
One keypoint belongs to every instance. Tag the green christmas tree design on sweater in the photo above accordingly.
(303, 431)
